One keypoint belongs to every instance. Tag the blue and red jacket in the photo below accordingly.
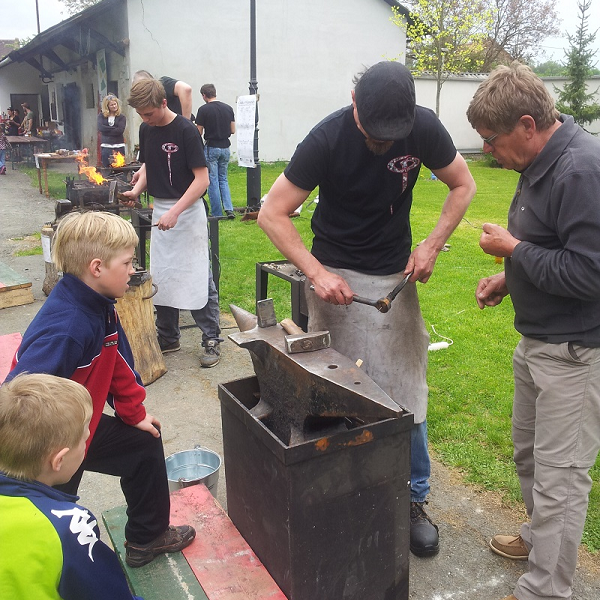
(50, 547)
(77, 335)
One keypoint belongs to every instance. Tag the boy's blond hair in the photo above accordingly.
(39, 414)
(106, 100)
(147, 93)
(83, 236)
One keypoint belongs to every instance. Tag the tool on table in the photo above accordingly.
(299, 340)
(383, 304)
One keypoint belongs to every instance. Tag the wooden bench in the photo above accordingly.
(8, 346)
(14, 289)
(218, 565)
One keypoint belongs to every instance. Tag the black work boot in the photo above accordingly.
(424, 538)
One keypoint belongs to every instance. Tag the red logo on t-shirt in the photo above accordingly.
(403, 164)
(169, 148)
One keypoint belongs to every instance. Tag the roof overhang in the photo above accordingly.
(69, 43)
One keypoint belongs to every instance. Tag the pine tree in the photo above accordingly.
(574, 99)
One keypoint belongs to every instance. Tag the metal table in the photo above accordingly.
(20, 143)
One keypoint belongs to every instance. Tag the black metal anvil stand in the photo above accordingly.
(317, 461)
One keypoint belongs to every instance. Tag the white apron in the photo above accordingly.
(179, 257)
(392, 345)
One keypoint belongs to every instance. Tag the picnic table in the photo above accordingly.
(41, 162)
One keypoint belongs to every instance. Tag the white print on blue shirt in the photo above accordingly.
(80, 525)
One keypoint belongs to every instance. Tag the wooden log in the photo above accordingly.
(136, 312)
(52, 276)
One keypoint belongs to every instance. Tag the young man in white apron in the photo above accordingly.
(174, 172)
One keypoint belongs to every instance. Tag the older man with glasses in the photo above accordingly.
(552, 273)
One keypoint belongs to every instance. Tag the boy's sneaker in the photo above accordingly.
(230, 214)
(166, 347)
(211, 355)
(173, 539)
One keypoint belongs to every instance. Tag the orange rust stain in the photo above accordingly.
(322, 444)
(364, 438)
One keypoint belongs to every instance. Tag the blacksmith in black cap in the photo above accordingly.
(365, 159)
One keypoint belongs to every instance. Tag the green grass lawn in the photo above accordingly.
(471, 382)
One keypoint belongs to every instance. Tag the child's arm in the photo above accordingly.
(91, 570)
(191, 195)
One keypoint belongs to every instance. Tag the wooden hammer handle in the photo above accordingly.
(290, 327)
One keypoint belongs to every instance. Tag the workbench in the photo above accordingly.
(42, 161)
(20, 142)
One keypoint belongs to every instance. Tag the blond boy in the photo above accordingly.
(49, 545)
(77, 335)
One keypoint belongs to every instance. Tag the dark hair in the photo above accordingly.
(209, 90)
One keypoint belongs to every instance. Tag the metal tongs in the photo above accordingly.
(383, 304)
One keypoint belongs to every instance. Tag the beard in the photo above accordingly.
(378, 147)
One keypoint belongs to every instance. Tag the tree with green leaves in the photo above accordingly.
(574, 98)
(444, 37)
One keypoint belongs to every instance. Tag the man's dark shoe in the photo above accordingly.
(173, 539)
(211, 355)
(424, 537)
(230, 214)
(166, 347)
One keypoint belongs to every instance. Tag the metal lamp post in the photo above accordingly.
(253, 187)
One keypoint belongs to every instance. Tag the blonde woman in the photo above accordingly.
(111, 125)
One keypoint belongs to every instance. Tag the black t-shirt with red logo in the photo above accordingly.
(170, 153)
(362, 219)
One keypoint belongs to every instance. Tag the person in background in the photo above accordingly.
(4, 145)
(366, 158)
(179, 98)
(217, 122)
(551, 252)
(50, 546)
(14, 121)
(179, 93)
(174, 173)
(28, 118)
(111, 125)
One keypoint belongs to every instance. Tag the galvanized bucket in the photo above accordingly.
(191, 467)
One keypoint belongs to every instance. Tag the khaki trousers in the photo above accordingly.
(556, 436)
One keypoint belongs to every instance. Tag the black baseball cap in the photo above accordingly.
(385, 101)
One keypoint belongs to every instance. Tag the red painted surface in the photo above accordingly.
(8, 346)
(221, 559)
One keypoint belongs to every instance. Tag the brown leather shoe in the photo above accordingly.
(510, 546)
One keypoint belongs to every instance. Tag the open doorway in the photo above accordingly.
(34, 104)
(72, 115)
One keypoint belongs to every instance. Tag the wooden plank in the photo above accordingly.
(222, 560)
(167, 576)
(16, 297)
(11, 280)
(8, 346)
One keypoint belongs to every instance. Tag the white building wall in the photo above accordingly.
(17, 80)
(307, 55)
(456, 95)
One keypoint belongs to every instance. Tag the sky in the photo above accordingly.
(23, 24)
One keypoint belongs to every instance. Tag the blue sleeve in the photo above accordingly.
(91, 570)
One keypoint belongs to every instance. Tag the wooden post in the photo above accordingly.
(136, 312)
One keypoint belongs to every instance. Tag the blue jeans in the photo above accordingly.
(2, 158)
(217, 160)
(420, 465)
(207, 318)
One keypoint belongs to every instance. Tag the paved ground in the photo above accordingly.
(185, 399)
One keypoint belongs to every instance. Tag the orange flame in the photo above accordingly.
(90, 172)
(118, 160)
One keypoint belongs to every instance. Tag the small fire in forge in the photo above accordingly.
(118, 160)
(90, 172)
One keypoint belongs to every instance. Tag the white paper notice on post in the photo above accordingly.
(245, 125)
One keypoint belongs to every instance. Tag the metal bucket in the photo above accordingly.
(191, 467)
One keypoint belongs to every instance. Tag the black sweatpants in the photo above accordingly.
(138, 459)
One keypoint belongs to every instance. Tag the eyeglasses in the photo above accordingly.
(489, 140)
